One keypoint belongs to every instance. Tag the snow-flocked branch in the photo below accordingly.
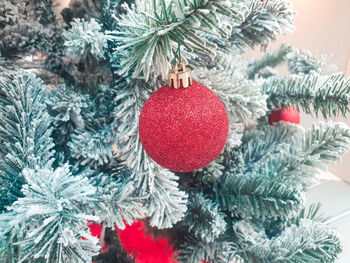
(307, 242)
(150, 30)
(25, 130)
(277, 163)
(313, 93)
(53, 211)
(85, 37)
(262, 21)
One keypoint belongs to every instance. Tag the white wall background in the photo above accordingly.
(322, 26)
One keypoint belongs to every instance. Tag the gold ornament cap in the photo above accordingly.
(180, 77)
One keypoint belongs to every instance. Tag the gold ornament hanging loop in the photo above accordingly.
(180, 77)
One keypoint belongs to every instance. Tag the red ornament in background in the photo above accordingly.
(183, 129)
(144, 247)
(289, 114)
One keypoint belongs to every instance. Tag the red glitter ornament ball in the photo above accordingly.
(183, 129)
(289, 114)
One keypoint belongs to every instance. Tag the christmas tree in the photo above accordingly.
(72, 87)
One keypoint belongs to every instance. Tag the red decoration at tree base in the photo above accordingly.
(289, 114)
(144, 247)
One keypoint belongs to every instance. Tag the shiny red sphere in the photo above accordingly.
(289, 114)
(183, 129)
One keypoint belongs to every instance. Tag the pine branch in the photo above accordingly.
(9, 235)
(53, 211)
(210, 173)
(245, 234)
(257, 146)
(25, 130)
(69, 110)
(167, 204)
(275, 227)
(85, 36)
(130, 99)
(311, 93)
(93, 147)
(271, 59)
(308, 242)
(194, 251)
(302, 61)
(43, 11)
(116, 200)
(90, 133)
(299, 61)
(261, 23)
(150, 31)
(296, 159)
(204, 218)
(312, 213)
(259, 197)
(278, 163)
(20, 30)
(66, 105)
(298, 162)
(9, 13)
(324, 143)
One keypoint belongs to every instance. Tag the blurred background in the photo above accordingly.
(322, 26)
